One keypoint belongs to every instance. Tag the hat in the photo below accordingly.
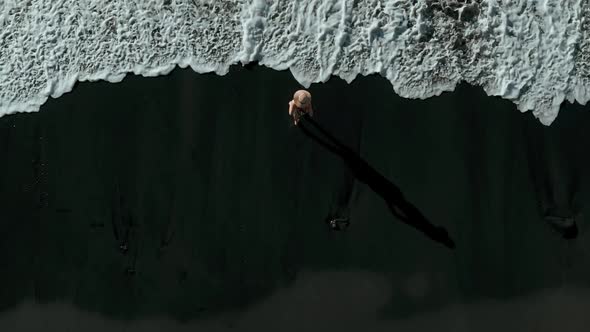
(302, 98)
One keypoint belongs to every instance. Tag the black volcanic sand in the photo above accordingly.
(222, 200)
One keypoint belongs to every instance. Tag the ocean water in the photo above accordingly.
(533, 53)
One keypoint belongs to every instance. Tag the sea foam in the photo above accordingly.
(535, 53)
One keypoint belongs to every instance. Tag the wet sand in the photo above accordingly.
(221, 201)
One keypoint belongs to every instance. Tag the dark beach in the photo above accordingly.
(192, 198)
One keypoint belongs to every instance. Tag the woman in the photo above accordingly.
(300, 105)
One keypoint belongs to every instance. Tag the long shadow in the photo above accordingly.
(362, 171)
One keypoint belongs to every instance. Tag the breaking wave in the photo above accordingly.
(534, 53)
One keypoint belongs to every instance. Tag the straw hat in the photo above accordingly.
(302, 99)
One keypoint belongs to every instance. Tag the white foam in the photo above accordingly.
(535, 53)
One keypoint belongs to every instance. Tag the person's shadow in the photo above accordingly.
(392, 195)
